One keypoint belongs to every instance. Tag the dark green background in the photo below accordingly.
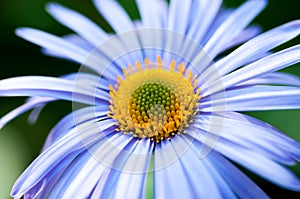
(21, 143)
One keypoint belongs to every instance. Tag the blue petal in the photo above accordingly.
(219, 19)
(61, 46)
(253, 161)
(170, 179)
(30, 104)
(118, 19)
(258, 45)
(196, 170)
(233, 25)
(37, 103)
(247, 135)
(52, 87)
(255, 98)
(76, 139)
(80, 24)
(43, 187)
(278, 78)
(179, 12)
(131, 182)
(244, 36)
(153, 13)
(238, 182)
(269, 132)
(263, 66)
(107, 185)
(205, 13)
(83, 115)
(74, 39)
(82, 175)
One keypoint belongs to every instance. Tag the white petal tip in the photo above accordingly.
(19, 31)
(23, 31)
(52, 6)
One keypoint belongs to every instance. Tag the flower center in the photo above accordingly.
(154, 102)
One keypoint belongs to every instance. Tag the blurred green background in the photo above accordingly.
(20, 142)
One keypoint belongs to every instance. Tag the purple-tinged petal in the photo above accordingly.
(263, 66)
(131, 182)
(179, 12)
(63, 47)
(76, 139)
(277, 78)
(153, 13)
(116, 160)
(77, 117)
(199, 175)
(205, 12)
(37, 103)
(123, 22)
(255, 98)
(233, 25)
(43, 187)
(170, 179)
(53, 88)
(247, 135)
(82, 175)
(258, 45)
(240, 184)
(253, 161)
(79, 23)
(30, 104)
(220, 17)
(244, 36)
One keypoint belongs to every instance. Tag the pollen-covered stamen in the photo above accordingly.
(154, 102)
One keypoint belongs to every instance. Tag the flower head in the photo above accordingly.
(162, 103)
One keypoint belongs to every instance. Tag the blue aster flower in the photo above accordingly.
(157, 105)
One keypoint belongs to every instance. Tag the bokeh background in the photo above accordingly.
(20, 142)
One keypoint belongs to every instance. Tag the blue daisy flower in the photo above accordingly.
(157, 105)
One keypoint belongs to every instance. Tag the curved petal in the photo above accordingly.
(153, 13)
(237, 180)
(233, 25)
(171, 180)
(179, 12)
(196, 170)
(249, 136)
(38, 103)
(256, 98)
(44, 186)
(76, 117)
(107, 185)
(258, 45)
(263, 66)
(205, 12)
(30, 104)
(123, 22)
(253, 161)
(230, 183)
(82, 175)
(77, 138)
(278, 78)
(74, 39)
(132, 184)
(77, 22)
(244, 36)
(61, 46)
(52, 87)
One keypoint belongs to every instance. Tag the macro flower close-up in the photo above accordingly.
(160, 104)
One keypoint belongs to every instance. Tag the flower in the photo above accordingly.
(162, 104)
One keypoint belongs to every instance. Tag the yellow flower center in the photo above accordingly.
(154, 102)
